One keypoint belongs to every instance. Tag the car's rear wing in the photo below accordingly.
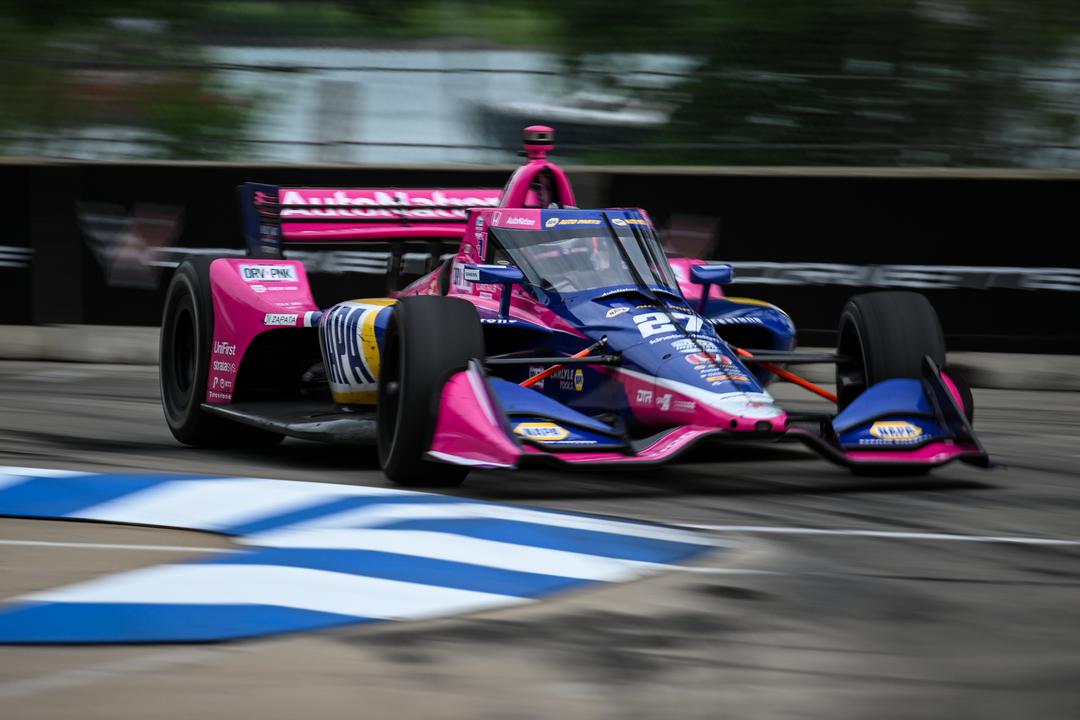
(275, 216)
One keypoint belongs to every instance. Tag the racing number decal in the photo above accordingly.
(655, 323)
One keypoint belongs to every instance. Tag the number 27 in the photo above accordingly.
(650, 324)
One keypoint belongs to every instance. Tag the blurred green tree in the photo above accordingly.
(112, 77)
(938, 82)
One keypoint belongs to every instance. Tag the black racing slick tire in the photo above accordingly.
(187, 332)
(885, 335)
(428, 339)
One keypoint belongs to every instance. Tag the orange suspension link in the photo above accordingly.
(791, 377)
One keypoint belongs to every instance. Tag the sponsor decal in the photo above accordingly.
(569, 378)
(721, 379)
(403, 203)
(280, 319)
(472, 274)
(223, 348)
(899, 431)
(686, 345)
(536, 370)
(479, 223)
(541, 431)
(551, 222)
(518, 220)
(268, 273)
(644, 397)
(224, 366)
(258, 288)
(667, 403)
(498, 321)
(269, 234)
(707, 359)
(744, 320)
(579, 221)
(616, 311)
(350, 350)
(635, 221)
(459, 280)
(219, 396)
(618, 221)
(669, 338)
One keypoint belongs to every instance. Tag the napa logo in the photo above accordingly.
(541, 431)
(616, 311)
(551, 222)
(895, 430)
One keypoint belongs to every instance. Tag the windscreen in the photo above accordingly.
(578, 258)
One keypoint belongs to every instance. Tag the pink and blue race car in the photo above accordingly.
(555, 335)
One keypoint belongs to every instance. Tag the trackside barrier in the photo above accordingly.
(95, 243)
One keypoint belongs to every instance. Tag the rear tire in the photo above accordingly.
(187, 332)
(428, 339)
(885, 335)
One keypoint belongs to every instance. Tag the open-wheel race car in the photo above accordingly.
(554, 335)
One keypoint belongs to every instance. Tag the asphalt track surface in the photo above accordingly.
(952, 599)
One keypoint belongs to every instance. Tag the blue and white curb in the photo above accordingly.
(315, 556)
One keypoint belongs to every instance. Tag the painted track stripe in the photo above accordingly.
(7, 481)
(319, 513)
(215, 504)
(455, 548)
(391, 511)
(134, 622)
(554, 538)
(390, 566)
(68, 495)
(312, 555)
(885, 534)
(292, 587)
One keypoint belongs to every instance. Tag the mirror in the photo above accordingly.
(505, 275)
(722, 274)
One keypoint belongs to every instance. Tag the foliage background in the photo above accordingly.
(783, 82)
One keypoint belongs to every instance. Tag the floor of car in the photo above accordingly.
(307, 419)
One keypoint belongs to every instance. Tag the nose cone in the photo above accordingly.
(715, 389)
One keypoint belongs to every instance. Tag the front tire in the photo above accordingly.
(187, 332)
(428, 339)
(885, 335)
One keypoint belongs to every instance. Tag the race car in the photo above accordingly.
(554, 335)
